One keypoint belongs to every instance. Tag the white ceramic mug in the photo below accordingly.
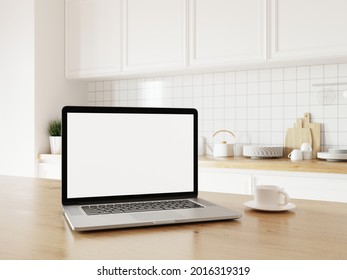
(306, 149)
(295, 155)
(270, 197)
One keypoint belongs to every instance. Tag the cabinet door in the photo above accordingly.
(154, 34)
(310, 28)
(227, 31)
(220, 180)
(311, 187)
(92, 38)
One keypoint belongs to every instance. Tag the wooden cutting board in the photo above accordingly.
(295, 137)
(315, 131)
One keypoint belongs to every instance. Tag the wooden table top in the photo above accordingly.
(33, 227)
(279, 164)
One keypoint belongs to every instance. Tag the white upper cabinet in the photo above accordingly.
(227, 31)
(154, 34)
(310, 28)
(92, 38)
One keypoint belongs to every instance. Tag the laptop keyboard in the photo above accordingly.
(132, 207)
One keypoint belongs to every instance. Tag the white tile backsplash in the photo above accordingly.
(257, 105)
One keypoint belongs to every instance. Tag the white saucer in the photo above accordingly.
(251, 204)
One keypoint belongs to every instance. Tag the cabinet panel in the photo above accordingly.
(154, 34)
(307, 187)
(92, 34)
(219, 180)
(227, 31)
(310, 28)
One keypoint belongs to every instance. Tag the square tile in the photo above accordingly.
(197, 80)
(99, 86)
(241, 101)
(253, 113)
(252, 125)
(289, 86)
(218, 90)
(277, 113)
(91, 96)
(330, 138)
(264, 125)
(208, 114)
(253, 76)
(290, 73)
(330, 125)
(230, 113)
(167, 82)
(218, 102)
(177, 81)
(197, 91)
(276, 100)
(265, 75)
(303, 72)
(230, 89)
(208, 90)
(241, 77)
(208, 102)
(330, 70)
(123, 84)
(264, 87)
(91, 86)
(218, 114)
(132, 84)
(342, 126)
(265, 100)
(208, 79)
(107, 96)
(277, 138)
(277, 74)
(342, 70)
(241, 89)
(264, 138)
(187, 80)
(252, 100)
(230, 77)
(289, 112)
(303, 98)
(252, 88)
(342, 138)
(289, 99)
(303, 85)
(229, 101)
(330, 112)
(218, 78)
(115, 85)
(265, 113)
(241, 114)
(342, 109)
(187, 91)
(277, 87)
(316, 71)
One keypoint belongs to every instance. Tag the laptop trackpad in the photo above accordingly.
(156, 216)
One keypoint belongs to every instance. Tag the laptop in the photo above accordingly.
(129, 167)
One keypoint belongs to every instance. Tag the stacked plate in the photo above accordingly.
(262, 151)
(334, 155)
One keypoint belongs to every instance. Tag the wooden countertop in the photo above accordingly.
(280, 164)
(33, 227)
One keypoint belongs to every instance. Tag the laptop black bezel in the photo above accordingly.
(133, 110)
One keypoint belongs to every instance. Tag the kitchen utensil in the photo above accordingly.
(256, 152)
(306, 150)
(315, 132)
(270, 197)
(295, 137)
(222, 149)
(295, 155)
(332, 156)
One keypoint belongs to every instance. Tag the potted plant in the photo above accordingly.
(54, 130)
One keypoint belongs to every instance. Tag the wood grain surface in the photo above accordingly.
(278, 164)
(33, 227)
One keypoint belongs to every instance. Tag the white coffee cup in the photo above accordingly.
(295, 155)
(306, 149)
(270, 197)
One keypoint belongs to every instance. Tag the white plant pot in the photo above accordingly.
(55, 143)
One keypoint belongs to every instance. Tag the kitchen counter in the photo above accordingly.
(280, 164)
(34, 228)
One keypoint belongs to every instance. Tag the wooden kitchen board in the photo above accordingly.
(315, 131)
(295, 137)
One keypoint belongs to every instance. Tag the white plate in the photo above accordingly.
(330, 156)
(251, 204)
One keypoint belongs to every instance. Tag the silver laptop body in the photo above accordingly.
(118, 162)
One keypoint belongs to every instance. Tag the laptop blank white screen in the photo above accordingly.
(129, 154)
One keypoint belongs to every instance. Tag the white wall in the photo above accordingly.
(33, 88)
(17, 87)
(52, 90)
(258, 105)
